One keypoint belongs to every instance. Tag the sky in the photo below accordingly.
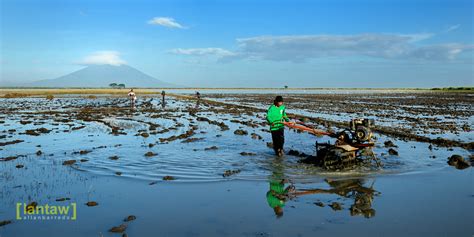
(230, 43)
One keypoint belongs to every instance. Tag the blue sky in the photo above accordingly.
(404, 43)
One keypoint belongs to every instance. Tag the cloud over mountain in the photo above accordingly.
(103, 58)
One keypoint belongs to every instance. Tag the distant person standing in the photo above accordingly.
(163, 93)
(276, 116)
(133, 97)
(198, 95)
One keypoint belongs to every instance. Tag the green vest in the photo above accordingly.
(276, 116)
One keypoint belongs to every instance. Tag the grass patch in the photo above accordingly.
(15, 95)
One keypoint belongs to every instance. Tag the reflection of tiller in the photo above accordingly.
(352, 148)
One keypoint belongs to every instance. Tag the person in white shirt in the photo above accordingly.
(132, 96)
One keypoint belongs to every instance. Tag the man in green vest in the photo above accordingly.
(276, 117)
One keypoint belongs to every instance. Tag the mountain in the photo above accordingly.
(102, 76)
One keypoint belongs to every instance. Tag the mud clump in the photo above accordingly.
(83, 152)
(92, 204)
(247, 153)
(113, 158)
(36, 132)
(193, 139)
(24, 122)
(11, 142)
(150, 154)
(145, 135)
(228, 173)
(9, 158)
(118, 229)
(6, 222)
(130, 218)
(256, 136)
(336, 206)
(19, 166)
(240, 132)
(393, 152)
(69, 162)
(62, 199)
(32, 133)
(389, 144)
(211, 148)
(458, 162)
(39, 152)
(294, 153)
(319, 204)
(222, 125)
(77, 128)
(168, 178)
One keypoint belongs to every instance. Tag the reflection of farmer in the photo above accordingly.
(351, 189)
(132, 97)
(277, 196)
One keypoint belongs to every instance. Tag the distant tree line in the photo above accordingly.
(117, 86)
(454, 89)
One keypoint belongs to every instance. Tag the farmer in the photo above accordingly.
(276, 116)
(163, 93)
(132, 97)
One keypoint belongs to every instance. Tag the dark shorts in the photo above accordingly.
(278, 137)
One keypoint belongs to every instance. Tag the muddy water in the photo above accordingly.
(431, 114)
(415, 192)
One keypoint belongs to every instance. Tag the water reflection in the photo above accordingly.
(356, 190)
(359, 194)
(278, 194)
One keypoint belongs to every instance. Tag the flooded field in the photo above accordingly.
(205, 168)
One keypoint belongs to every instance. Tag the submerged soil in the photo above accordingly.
(199, 160)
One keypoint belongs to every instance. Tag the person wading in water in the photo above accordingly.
(276, 116)
(133, 98)
(163, 93)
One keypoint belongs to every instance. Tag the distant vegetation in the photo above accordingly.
(15, 95)
(453, 89)
(117, 86)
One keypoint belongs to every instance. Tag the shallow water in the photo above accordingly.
(408, 194)
(433, 115)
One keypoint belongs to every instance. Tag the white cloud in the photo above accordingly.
(103, 57)
(417, 37)
(451, 28)
(439, 51)
(166, 22)
(300, 48)
(203, 52)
